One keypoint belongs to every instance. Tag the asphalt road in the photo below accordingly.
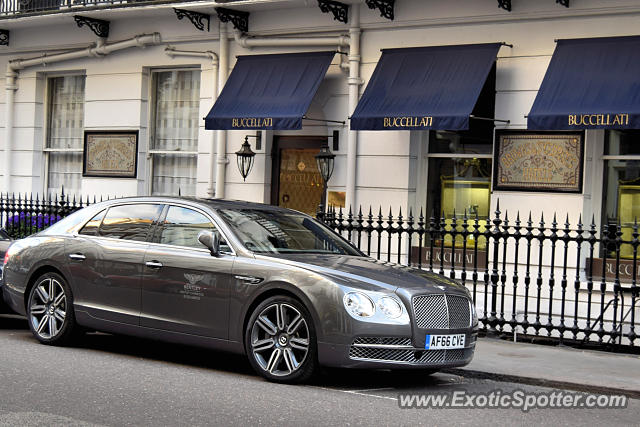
(113, 380)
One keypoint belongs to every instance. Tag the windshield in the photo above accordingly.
(283, 232)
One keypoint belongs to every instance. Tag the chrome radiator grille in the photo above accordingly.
(373, 341)
(442, 311)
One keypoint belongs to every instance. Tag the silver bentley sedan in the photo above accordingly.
(259, 280)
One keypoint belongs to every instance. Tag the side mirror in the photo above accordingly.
(211, 241)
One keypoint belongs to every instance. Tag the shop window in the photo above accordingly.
(459, 169)
(65, 126)
(174, 131)
(621, 193)
(460, 185)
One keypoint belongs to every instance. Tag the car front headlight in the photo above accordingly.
(359, 304)
(390, 307)
(375, 307)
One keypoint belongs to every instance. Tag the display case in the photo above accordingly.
(628, 212)
(470, 195)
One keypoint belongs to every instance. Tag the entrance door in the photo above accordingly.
(298, 182)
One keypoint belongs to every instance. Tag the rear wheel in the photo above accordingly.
(281, 341)
(50, 310)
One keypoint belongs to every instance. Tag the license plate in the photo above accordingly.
(444, 342)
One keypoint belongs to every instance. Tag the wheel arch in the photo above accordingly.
(33, 277)
(281, 289)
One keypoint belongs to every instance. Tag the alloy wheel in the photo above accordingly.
(48, 308)
(280, 339)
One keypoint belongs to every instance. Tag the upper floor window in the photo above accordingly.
(65, 126)
(174, 131)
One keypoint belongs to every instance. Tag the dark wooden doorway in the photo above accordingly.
(296, 181)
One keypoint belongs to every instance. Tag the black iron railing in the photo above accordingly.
(534, 278)
(10, 8)
(567, 283)
(25, 214)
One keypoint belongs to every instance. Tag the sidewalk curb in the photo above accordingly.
(586, 388)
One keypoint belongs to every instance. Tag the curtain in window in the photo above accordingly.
(175, 128)
(173, 173)
(65, 169)
(65, 131)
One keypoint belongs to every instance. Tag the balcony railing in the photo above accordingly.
(17, 8)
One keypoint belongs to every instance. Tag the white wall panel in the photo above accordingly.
(24, 113)
(113, 87)
(522, 73)
(112, 187)
(383, 172)
(514, 106)
(112, 114)
(381, 143)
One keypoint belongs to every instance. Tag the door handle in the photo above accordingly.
(77, 257)
(153, 264)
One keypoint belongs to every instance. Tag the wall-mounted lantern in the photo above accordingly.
(325, 159)
(245, 156)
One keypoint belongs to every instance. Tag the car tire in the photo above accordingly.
(50, 310)
(280, 341)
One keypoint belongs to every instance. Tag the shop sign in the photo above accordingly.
(252, 122)
(457, 255)
(539, 162)
(624, 268)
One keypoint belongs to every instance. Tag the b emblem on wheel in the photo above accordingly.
(280, 339)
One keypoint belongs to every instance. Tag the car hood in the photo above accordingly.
(371, 274)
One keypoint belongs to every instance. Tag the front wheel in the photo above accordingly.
(281, 341)
(50, 310)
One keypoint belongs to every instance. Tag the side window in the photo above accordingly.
(91, 227)
(181, 228)
(129, 222)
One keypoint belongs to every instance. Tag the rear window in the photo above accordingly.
(91, 227)
(130, 222)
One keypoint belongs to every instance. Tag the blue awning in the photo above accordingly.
(590, 84)
(269, 91)
(425, 88)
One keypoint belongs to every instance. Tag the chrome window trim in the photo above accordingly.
(111, 239)
(195, 206)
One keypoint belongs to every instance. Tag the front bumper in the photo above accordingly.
(385, 352)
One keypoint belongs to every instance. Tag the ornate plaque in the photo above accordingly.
(538, 162)
(110, 154)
